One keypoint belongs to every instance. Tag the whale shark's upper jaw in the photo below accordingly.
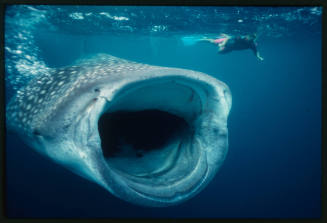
(153, 136)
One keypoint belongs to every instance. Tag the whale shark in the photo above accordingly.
(150, 135)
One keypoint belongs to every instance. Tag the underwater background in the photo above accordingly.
(273, 166)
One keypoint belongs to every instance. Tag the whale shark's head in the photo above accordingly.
(150, 135)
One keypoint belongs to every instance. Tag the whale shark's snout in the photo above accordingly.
(150, 135)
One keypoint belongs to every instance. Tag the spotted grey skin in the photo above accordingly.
(57, 114)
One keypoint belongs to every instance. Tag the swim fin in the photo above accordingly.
(191, 40)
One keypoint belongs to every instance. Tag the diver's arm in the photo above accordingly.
(258, 56)
(256, 52)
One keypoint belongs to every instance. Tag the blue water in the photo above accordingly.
(273, 167)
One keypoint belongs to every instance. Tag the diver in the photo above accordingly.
(227, 43)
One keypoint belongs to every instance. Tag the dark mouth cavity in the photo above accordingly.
(134, 134)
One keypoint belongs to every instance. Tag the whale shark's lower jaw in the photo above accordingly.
(162, 139)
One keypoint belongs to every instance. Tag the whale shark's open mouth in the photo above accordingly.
(151, 134)
(149, 141)
(152, 149)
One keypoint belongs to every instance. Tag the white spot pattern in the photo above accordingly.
(39, 100)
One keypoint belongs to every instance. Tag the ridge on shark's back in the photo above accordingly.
(151, 135)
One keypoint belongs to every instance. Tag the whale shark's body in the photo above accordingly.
(59, 112)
